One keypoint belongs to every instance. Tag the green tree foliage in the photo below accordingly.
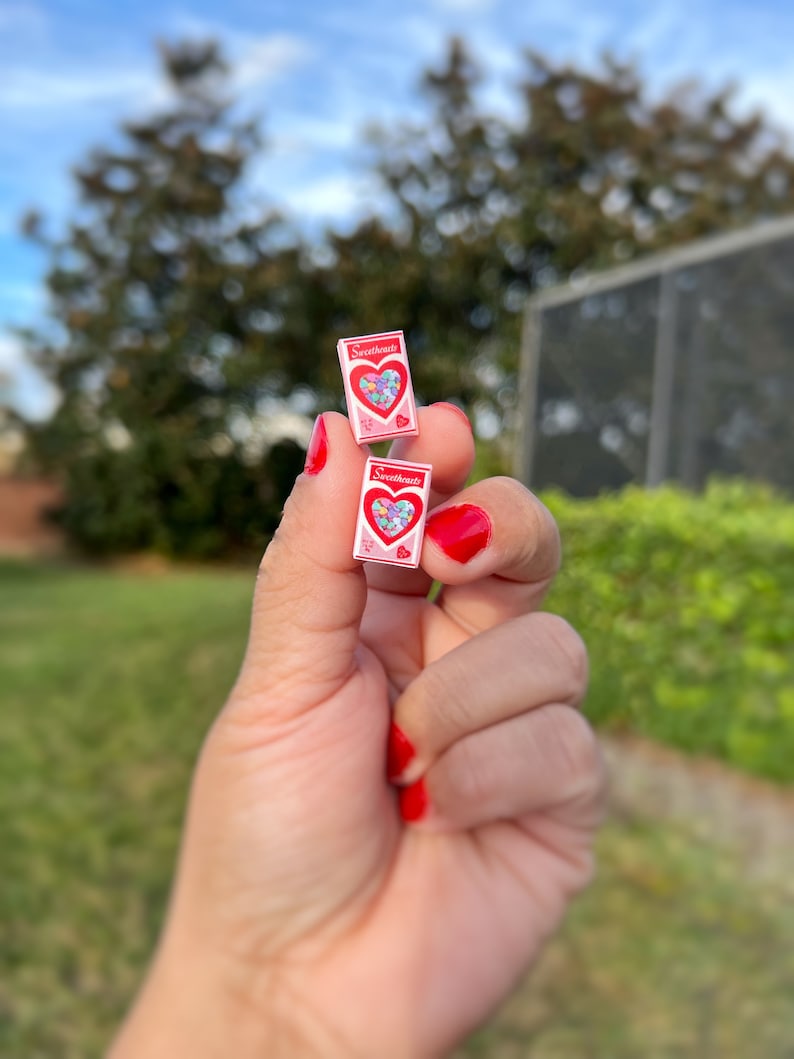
(165, 295)
(592, 172)
(177, 311)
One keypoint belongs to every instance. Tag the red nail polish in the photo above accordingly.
(454, 408)
(399, 753)
(317, 452)
(461, 531)
(413, 802)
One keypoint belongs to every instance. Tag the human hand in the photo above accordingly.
(318, 910)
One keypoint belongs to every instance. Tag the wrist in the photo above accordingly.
(190, 1005)
(200, 1005)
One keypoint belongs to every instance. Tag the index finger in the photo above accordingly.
(496, 549)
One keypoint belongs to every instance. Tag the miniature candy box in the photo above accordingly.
(380, 397)
(392, 511)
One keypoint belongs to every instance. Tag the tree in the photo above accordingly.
(178, 314)
(592, 173)
(164, 298)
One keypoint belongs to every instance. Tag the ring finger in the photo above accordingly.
(525, 663)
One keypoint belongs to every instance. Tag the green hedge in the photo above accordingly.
(687, 606)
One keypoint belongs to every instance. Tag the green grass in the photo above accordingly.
(107, 685)
(108, 682)
(667, 956)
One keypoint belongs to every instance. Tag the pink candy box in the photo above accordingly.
(380, 396)
(392, 511)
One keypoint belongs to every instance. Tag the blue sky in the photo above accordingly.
(317, 72)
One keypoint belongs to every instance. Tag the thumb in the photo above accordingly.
(310, 592)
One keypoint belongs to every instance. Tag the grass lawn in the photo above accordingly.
(107, 683)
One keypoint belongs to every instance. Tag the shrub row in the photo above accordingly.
(687, 607)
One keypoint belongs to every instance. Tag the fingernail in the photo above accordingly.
(454, 408)
(413, 802)
(317, 452)
(461, 532)
(399, 753)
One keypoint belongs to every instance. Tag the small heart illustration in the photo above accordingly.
(402, 421)
(379, 387)
(403, 553)
(392, 514)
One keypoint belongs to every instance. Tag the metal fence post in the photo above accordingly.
(531, 334)
(663, 382)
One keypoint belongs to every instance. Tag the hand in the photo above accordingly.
(318, 909)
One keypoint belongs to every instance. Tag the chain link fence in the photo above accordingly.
(677, 367)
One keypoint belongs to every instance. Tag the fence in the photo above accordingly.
(676, 367)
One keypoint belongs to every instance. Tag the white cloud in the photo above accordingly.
(659, 24)
(256, 58)
(43, 88)
(332, 197)
(772, 93)
(263, 59)
(49, 84)
(297, 134)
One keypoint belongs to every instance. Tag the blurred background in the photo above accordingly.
(584, 222)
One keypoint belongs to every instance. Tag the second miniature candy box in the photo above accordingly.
(380, 396)
(392, 511)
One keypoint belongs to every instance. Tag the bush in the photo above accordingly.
(687, 606)
(149, 498)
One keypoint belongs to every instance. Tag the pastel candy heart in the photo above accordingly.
(392, 514)
(379, 387)
(392, 517)
(381, 390)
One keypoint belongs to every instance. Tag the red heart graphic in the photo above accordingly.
(402, 421)
(403, 553)
(388, 529)
(382, 408)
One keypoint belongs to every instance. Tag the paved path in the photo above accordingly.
(752, 820)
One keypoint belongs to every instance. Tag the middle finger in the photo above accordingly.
(496, 548)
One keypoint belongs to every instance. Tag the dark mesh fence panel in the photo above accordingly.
(733, 412)
(595, 383)
(730, 409)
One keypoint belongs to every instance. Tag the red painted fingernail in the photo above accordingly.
(317, 452)
(454, 408)
(398, 753)
(413, 802)
(461, 531)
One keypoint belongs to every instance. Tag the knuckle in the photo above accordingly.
(542, 533)
(474, 776)
(546, 537)
(443, 704)
(580, 753)
(566, 642)
(511, 485)
(275, 554)
(281, 549)
(280, 575)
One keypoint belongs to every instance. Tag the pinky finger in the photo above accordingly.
(545, 760)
